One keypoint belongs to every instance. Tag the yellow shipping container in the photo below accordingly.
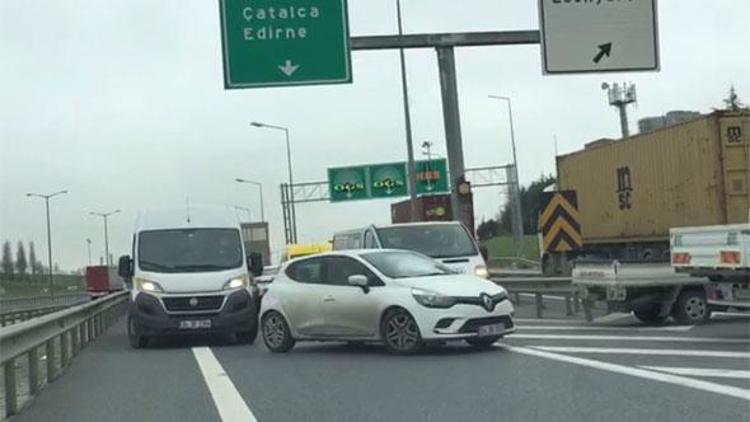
(691, 174)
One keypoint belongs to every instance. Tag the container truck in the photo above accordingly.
(101, 281)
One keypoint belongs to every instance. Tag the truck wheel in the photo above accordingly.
(691, 307)
(137, 341)
(650, 314)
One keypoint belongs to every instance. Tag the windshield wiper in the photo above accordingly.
(156, 266)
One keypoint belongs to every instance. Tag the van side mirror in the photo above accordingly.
(255, 263)
(125, 266)
(484, 252)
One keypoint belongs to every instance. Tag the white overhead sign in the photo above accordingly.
(580, 36)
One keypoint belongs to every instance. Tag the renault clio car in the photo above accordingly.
(449, 242)
(188, 274)
(400, 298)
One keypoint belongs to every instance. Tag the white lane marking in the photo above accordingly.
(543, 296)
(681, 328)
(228, 401)
(615, 316)
(649, 352)
(702, 372)
(730, 314)
(712, 387)
(630, 338)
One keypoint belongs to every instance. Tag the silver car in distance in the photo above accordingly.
(402, 299)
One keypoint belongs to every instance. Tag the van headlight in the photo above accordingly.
(237, 283)
(432, 299)
(481, 271)
(147, 285)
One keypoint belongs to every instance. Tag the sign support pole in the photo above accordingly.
(452, 121)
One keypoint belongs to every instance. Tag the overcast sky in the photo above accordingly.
(122, 103)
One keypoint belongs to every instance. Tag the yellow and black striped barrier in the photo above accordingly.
(560, 222)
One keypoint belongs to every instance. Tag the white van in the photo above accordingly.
(188, 273)
(448, 242)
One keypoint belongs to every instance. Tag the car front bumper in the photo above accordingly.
(238, 313)
(463, 321)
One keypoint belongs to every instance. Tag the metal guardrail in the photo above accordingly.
(12, 317)
(540, 286)
(31, 302)
(65, 333)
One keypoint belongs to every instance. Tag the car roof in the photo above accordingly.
(187, 217)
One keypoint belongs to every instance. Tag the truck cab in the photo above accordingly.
(188, 273)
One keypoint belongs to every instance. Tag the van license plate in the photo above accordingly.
(491, 330)
(196, 324)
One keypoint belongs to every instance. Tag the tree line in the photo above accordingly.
(21, 265)
(531, 204)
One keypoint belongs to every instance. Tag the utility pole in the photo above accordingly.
(620, 97)
(411, 165)
(49, 232)
(88, 243)
(105, 216)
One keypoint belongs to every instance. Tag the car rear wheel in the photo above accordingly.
(276, 333)
(483, 342)
(691, 307)
(137, 341)
(401, 333)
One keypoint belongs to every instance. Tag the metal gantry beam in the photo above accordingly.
(459, 39)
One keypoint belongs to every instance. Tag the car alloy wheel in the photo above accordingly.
(400, 333)
(276, 333)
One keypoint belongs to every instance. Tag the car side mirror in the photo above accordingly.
(359, 280)
(125, 267)
(255, 263)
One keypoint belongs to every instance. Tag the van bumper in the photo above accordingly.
(239, 313)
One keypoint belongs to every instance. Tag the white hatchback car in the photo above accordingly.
(400, 298)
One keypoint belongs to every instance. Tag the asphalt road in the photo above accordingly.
(552, 370)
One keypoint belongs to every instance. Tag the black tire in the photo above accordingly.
(650, 314)
(276, 333)
(483, 342)
(691, 308)
(400, 333)
(137, 341)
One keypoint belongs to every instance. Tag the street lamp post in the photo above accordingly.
(411, 165)
(49, 231)
(291, 179)
(260, 190)
(88, 243)
(516, 210)
(105, 216)
(247, 210)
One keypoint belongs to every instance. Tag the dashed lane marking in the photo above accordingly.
(702, 372)
(714, 340)
(711, 387)
(228, 401)
(648, 352)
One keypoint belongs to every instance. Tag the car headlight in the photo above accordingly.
(147, 285)
(481, 271)
(432, 299)
(237, 283)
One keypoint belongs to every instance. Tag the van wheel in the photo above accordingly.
(247, 337)
(136, 339)
(691, 308)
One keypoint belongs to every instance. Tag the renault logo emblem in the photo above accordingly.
(193, 302)
(487, 302)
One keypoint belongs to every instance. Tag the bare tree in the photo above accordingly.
(7, 260)
(733, 102)
(34, 265)
(21, 263)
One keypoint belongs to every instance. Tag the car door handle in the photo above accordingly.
(329, 299)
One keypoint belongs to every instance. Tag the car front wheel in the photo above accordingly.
(276, 333)
(401, 333)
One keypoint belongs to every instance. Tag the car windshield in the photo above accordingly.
(398, 264)
(189, 250)
(436, 241)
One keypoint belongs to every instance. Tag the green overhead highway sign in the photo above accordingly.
(377, 181)
(284, 42)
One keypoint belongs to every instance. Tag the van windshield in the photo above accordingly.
(189, 250)
(435, 241)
